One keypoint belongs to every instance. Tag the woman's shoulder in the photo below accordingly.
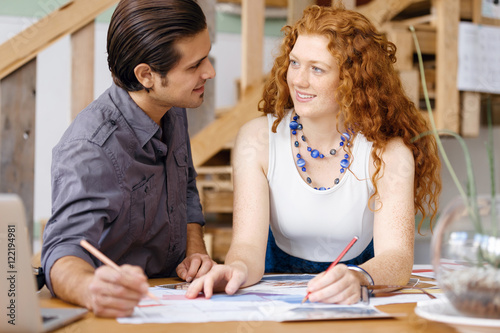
(256, 124)
(396, 148)
(252, 144)
(394, 155)
(256, 127)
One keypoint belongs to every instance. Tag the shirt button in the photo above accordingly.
(171, 209)
(112, 122)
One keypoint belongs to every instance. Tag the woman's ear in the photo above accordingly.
(144, 75)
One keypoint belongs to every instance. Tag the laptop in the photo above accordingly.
(19, 304)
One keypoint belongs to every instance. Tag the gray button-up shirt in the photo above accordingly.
(125, 185)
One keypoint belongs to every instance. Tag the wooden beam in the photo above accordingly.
(17, 136)
(466, 9)
(470, 113)
(381, 11)
(410, 80)
(447, 96)
(214, 137)
(214, 170)
(269, 3)
(477, 14)
(82, 68)
(349, 4)
(28, 43)
(221, 241)
(296, 8)
(216, 201)
(252, 35)
(205, 113)
(402, 38)
(426, 40)
(419, 21)
(470, 101)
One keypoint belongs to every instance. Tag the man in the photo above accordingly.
(122, 174)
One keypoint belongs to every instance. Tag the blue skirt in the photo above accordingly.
(278, 261)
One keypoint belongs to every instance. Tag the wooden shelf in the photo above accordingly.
(436, 24)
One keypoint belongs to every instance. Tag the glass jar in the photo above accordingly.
(466, 257)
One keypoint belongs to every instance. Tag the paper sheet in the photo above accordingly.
(275, 298)
(490, 9)
(478, 58)
(426, 271)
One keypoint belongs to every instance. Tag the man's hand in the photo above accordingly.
(115, 293)
(194, 266)
(105, 291)
(197, 261)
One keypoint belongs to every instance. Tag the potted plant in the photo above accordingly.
(466, 243)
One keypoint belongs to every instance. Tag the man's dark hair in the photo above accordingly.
(145, 31)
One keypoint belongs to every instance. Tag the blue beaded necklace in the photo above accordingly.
(301, 163)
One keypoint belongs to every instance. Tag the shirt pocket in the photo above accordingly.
(143, 200)
(181, 160)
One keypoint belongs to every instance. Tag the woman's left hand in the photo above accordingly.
(338, 285)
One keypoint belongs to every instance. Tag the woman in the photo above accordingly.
(333, 159)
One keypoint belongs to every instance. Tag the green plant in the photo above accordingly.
(470, 194)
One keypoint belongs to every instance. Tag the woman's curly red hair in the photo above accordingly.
(370, 95)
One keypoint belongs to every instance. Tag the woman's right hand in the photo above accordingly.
(228, 278)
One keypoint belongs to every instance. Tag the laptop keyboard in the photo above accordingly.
(48, 318)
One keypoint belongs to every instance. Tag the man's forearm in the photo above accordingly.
(70, 277)
(195, 242)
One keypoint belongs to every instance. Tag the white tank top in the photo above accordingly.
(317, 225)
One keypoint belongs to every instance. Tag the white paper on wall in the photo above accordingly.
(478, 58)
(490, 9)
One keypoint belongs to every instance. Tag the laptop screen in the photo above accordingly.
(19, 306)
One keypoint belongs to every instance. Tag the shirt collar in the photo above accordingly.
(143, 126)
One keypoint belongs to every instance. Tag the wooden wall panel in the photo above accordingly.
(380, 11)
(447, 97)
(17, 135)
(252, 36)
(296, 8)
(470, 102)
(270, 3)
(478, 17)
(203, 115)
(82, 68)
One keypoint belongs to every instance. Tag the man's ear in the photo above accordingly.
(144, 75)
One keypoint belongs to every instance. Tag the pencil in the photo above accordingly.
(341, 255)
(105, 260)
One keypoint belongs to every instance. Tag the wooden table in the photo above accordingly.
(406, 322)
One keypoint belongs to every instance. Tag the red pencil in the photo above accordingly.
(341, 255)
